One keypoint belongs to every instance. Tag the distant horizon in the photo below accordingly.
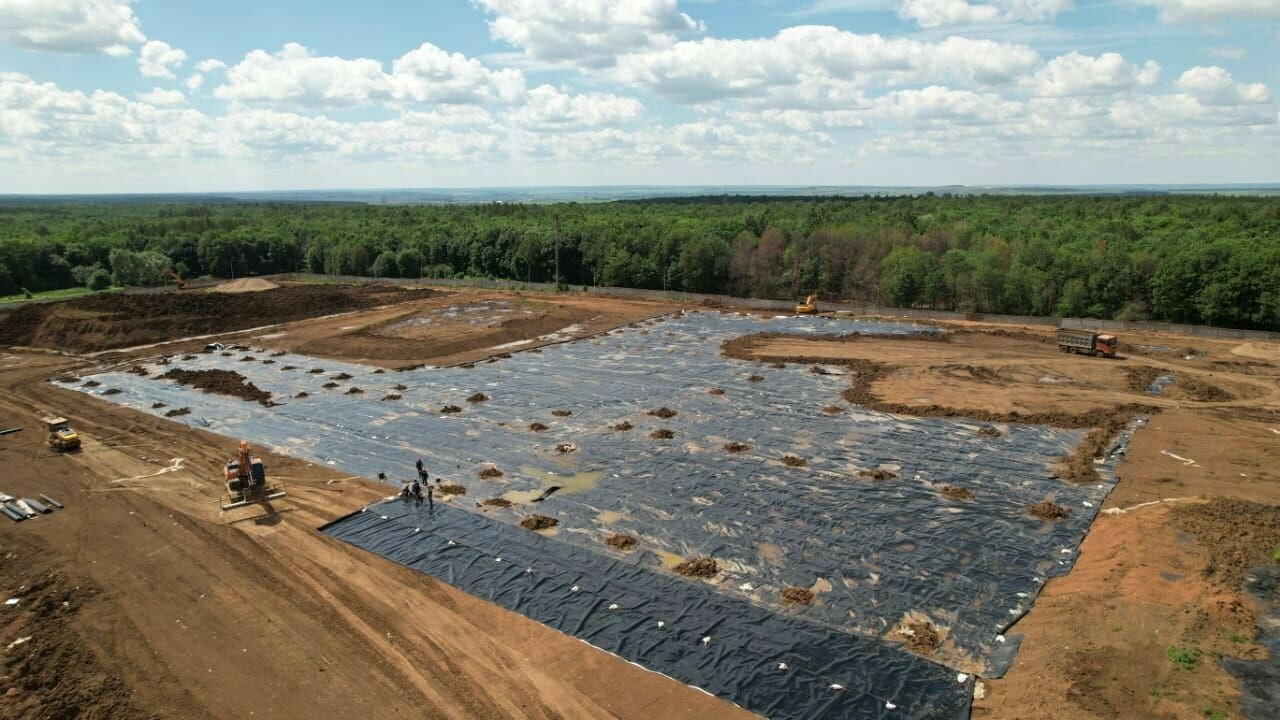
(614, 192)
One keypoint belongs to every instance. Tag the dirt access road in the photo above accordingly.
(172, 610)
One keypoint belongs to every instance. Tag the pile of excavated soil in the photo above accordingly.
(449, 409)
(355, 391)
(538, 522)
(921, 637)
(138, 370)
(490, 471)
(794, 461)
(496, 502)
(561, 413)
(1138, 379)
(315, 371)
(736, 447)
(301, 395)
(477, 398)
(878, 474)
(818, 370)
(754, 378)
(989, 431)
(566, 448)
(390, 396)
(537, 426)
(1045, 510)
(114, 320)
(157, 405)
(178, 411)
(245, 285)
(330, 385)
(698, 567)
(831, 409)
(621, 541)
(221, 382)
(449, 489)
(796, 596)
(715, 391)
(662, 434)
(1199, 390)
(1238, 534)
(663, 412)
(622, 426)
(342, 376)
(956, 493)
(91, 383)
(112, 391)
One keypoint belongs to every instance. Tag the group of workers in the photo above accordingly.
(414, 490)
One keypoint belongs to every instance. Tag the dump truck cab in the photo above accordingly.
(61, 436)
(1087, 342)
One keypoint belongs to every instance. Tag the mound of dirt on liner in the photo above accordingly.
(1201, 391)
(477, 398)
(221, 382)
(754, 378)
(91, 383)
(989, 431)
(922, 638)
(355, 391)
(178, 411)
(329, 385)
(736, 447)
(112, 391)
(663, 412)
(449, 489)
(622, 426)
(1138, 379)
(561, 413)
(490, 472)
(621, 541)
(390, 396)
(794, 461)
(496, 502)
(698, 567)
(715, 391)
(342, 376)
(956, 493)
(878, 474)
(662, 434)
(796, 596)
(831, 409)
(537, 426)
(538, 522)
(1045, 510)
(450, 409)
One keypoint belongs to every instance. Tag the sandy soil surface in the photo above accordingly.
(245, 285)
(173, 609)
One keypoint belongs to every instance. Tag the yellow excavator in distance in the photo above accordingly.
(809, 307)
(61, 437)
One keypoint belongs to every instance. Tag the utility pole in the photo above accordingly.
(557, 250)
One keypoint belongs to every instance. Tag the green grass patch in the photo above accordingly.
(54, 294)
(1184, 658)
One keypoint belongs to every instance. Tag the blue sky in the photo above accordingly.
(151, 96)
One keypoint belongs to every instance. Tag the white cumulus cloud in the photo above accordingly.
(1214, 86)
(161, 96)
(429, 74)
(72, 26)
(1202, 10)
(938, 13)
(588, 32)
(550, 109)
(816, 65)
(158, 60)
(1077, 74)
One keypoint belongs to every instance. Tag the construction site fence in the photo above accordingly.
(917, 314)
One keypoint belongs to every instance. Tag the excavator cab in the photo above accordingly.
(61, 437)
(247, 481)
(809, 307)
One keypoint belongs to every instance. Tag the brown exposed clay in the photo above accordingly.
(796, 596)
(621, 541)
(698, 567)
(1045, 510)
(496, 502)
(490, 471)
(794, 461)
(221, 382)
(921, 637)
(662, 434)
(538, 522)
(450, 489)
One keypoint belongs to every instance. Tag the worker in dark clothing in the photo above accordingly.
(431, 503)
(422, 472)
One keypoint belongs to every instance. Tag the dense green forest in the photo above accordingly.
(1213, 260)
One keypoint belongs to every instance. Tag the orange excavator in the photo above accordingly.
(182, 284)
(247, 481)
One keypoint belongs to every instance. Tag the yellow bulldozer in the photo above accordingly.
(809, 307)
(61, 437)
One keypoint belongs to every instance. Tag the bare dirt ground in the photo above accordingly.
(173, 609)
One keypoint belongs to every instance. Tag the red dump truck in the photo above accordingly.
(1088, 342)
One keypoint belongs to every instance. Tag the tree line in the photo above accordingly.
(1195, 259)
